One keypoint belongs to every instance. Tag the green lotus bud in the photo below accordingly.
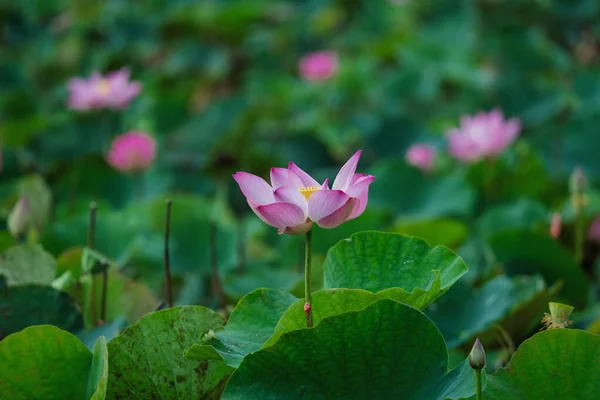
(477, 356)
(19, 218)
(578, 181)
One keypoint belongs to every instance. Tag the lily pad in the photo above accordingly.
(146, 360)
(27, 305)
(554, 364)
(544, 256)
(45, 362)
(369, 354)
(512, 304)
(27, 264)
(376, 261)
(251, 323)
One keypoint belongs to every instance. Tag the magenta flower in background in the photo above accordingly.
(555, 225)
(318, 66)
(594, 230)
(132, 152)
(483, 135)
(421, 156)
(294, 200)
(114, 91)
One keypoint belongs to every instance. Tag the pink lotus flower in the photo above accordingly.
(113, 91)
(483, 135)
(318, 66)
(294, 200)
(132, 152)
(594, 230)
(421, 156)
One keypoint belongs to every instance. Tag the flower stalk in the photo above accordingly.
(307, 271)
(168, 285)
(91, 245)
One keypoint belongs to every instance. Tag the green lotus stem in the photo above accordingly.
(307, 267)
(91, 245)
(579, 237)
(479, 395)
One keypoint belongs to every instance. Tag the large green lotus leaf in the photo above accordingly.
(376, 261)
(442, 231)
(146, 360)
(530, 253)
(27, 264)
(44, 362)
(374, 353)
(512, 304)
(28, 305)
(330, 302)
(554, 364)
(251, 323)
(410, 193)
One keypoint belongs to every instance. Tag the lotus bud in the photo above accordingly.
(19, 219)
(477, 356)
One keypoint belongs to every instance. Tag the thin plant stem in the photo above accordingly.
(579, 237)
(479, 395)
(91, 244)
(307, 268)
(104, 291)
(168, 285)
(216, 278)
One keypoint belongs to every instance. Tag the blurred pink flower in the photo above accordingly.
(294, 200)
(132, 152)
(594, 231)
(482, 135)
(421, 156)
(555, 225)
(318, 66)
(113, 91)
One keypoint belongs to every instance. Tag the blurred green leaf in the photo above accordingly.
(27, 264)
(45, 362)
(29, 305)
(527, 253)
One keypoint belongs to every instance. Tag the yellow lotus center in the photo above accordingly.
(103, 87)
(308, 191)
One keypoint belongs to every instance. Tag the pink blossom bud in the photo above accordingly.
(132, 152)
(555, 225)
(307, 309)
(421, 156)
(318, 66)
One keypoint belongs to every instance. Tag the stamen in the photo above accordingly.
(308, 191)
(103, 87)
